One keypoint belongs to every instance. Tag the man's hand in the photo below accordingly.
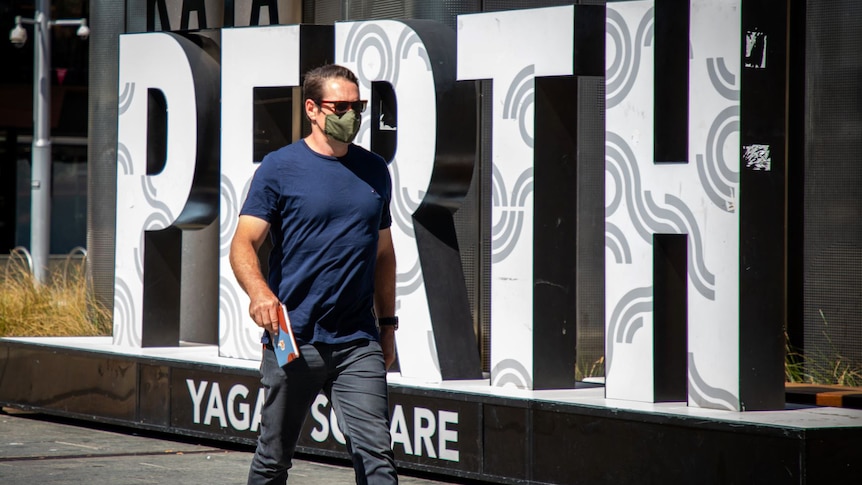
(264, 309)
(387, 342)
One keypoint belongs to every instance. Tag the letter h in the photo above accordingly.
(694, 235)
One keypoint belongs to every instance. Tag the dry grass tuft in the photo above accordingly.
(584, 369)
(63, 307)
(823, 366)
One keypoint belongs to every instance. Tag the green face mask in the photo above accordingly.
(343, 128)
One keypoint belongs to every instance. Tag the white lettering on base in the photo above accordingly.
(399, 430)
(446, 435)
(197, 395)
(240, 422)
(320, 435)
(237, 413)
(424, 425)
(215, 407)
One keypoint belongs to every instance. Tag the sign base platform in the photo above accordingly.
(464, 429)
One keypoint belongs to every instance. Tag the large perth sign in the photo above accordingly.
(693, 192)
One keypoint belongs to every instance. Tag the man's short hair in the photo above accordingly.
(315, 80)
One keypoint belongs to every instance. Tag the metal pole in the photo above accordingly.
(40, 180)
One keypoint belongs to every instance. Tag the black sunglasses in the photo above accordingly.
(341, 107)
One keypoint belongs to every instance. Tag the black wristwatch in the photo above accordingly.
(388, 322)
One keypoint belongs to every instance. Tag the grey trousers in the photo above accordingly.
(353, 377)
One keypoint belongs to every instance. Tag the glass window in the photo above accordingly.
(68, 197)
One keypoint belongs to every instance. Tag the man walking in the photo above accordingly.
(325, 204)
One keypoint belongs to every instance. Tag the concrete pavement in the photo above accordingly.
(39, 449)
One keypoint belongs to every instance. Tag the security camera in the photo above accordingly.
(83, 30)
(18, 35)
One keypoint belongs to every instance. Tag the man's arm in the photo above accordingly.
(250, 234)
(384, 292)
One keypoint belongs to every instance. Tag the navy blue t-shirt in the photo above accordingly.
(324, 214)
